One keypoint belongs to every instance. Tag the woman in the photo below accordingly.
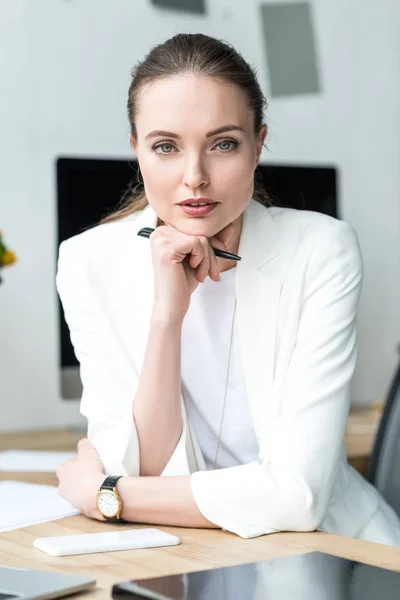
(257, 356)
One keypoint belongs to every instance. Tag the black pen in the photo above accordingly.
(147, 231)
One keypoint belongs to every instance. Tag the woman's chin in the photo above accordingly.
(192, 226)
(199, 230)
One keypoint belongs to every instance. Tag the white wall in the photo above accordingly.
(65, 70)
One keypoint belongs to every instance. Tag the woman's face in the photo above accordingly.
(182, 155)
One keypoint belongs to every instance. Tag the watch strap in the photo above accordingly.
(110, 482)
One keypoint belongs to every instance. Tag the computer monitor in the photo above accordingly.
(90, 188)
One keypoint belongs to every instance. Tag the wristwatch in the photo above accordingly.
(109, 501)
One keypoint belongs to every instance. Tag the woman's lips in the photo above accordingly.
(198, 211)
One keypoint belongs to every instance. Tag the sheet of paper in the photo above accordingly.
(32, 460)
(23, 504)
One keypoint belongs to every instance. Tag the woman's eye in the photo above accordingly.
(165, 146)
(225, 146)
(228, 145)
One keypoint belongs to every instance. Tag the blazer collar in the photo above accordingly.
(258, 240)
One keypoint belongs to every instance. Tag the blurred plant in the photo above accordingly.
(7, 257)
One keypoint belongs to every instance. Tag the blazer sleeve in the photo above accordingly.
(108, 388)
(289, 490)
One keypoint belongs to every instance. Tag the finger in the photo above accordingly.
(204, 267)
(84, 445)
(214, 266)
(60, 468)
(216, 243)
(169, 244)
(63, 467)
(197, 253)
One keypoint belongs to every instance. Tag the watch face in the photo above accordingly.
(108, 503)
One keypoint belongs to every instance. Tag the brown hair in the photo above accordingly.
(190, 53)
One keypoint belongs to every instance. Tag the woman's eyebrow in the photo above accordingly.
(224, 129)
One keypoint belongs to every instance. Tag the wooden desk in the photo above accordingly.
(362, 426)
(200, 548)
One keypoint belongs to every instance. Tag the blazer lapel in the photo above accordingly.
(258, 297)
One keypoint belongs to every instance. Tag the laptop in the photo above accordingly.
(314, 576)
(29, 584)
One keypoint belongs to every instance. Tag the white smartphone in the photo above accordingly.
(90, 543)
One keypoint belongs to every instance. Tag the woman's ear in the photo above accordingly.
(260, 141)
(133, 142)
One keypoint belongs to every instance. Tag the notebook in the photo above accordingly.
(23, 504)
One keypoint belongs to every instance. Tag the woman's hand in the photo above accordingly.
(80, 479)
(180, 262)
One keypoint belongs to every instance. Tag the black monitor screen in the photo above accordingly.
(303, 188)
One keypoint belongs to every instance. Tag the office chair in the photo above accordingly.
(384, 464)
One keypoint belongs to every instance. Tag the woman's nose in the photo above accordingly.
(194, 175)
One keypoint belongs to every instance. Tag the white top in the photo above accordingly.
(205, 353)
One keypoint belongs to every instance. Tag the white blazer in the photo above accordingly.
(298, 287)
